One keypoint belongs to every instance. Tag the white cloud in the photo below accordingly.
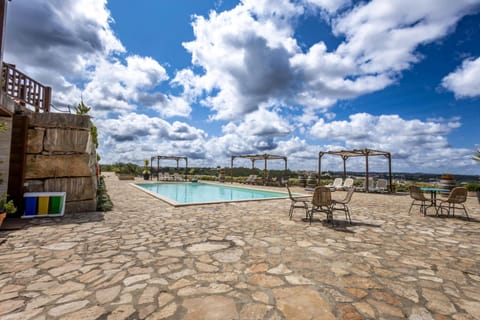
(382, 36)
(261, 123)
(251, 59)
(331, 6)
(464, 81)
(75, 51)
(253, 73)
(116, 87)
(133, 137)
(64, 46)
(413, 143)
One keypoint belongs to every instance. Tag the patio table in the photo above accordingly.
(433, 195)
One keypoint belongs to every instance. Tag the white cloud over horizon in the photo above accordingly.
(252, 77)
(464, 82)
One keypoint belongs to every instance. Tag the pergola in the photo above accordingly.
(265, 157)
(345, 154)
(167, 158)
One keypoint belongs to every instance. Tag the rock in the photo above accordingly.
(298, 280)
(164, 298)
(211, 289)
(148, 295)
(200, 248)
(67, 308)
(77, 188)
(10, 305)
(66, 140)
(254, 311)
(91, 313)
(348, 312)
(123, 312)
(210, 308)
(299, 303)
(256, 268)
(133, 279)
(266, 281)
(107, 295)
(227, 256)
(60, 246)
(59, 120)
(172, 253)
(35, 140)
(81, 206)
(164, 313)
(420, 313)
(279, 270)
(42, 166)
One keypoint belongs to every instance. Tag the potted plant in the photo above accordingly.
(146, 169)
(6, 207)
(447, 181)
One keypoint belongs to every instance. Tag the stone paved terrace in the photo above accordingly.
(148, 260)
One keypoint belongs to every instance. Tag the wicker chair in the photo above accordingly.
(297, 203)
(458, 196)
(344, 204)
(419, 199)
(322, 202)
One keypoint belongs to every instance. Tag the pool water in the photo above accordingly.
(198, 193)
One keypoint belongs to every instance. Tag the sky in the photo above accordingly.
(214, 78)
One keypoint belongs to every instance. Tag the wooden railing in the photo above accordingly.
(25, 90)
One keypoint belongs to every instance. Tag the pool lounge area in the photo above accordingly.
(146, 259)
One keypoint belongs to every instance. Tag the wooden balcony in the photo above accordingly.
(27, 92)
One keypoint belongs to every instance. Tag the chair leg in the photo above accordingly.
(306, 210)
(347, 212)
(290, 213)
(330, 213)
(465, 209)
(411, 207)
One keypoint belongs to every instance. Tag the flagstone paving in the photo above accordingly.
(148, 260)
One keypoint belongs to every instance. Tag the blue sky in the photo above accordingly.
(211, 79)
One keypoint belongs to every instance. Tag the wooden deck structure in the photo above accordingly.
(177, 159)
(345, 154)
(265, 157)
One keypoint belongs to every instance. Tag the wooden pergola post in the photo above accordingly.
(320, 155)
(366, 172)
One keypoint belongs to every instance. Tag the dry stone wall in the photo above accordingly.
(61, 157)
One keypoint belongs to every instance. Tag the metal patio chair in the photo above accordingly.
(297, 202)
(343, 204)
(419, 199)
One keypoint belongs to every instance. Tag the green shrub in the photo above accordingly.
(473, 186)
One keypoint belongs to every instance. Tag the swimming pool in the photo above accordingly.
(188, 193)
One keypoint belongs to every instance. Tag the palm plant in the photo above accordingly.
(476, 156)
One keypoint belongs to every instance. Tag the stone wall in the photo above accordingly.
(61, 157)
